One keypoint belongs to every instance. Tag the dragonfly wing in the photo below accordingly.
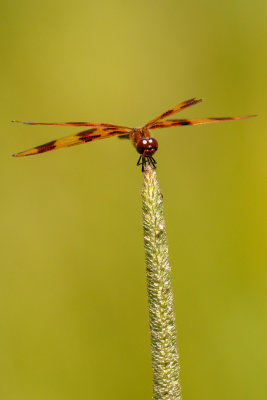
(175, 109)
(72, 124)
(79, 138)
(181, 122)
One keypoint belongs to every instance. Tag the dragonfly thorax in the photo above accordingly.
(147, 146)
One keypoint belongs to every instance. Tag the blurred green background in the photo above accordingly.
(74, 319)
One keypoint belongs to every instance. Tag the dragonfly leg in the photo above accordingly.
(139, 162)
(153, 162)
(142, 161)
(146, 161)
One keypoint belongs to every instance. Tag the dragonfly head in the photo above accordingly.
(147, 146)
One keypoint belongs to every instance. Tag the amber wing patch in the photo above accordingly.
(79, 138)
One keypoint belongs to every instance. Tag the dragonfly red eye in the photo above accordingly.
(147, 146)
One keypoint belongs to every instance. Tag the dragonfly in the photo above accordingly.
(141, 138)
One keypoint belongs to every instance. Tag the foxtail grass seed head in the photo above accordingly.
(165, 358)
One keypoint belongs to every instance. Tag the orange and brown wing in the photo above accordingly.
(173, 110)
(72, 124)
(182, 122)
(82, 137)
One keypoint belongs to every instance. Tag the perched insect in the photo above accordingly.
(140, 137)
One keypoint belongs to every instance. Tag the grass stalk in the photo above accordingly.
(165, 358)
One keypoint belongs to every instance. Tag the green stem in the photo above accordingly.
(165, 358)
